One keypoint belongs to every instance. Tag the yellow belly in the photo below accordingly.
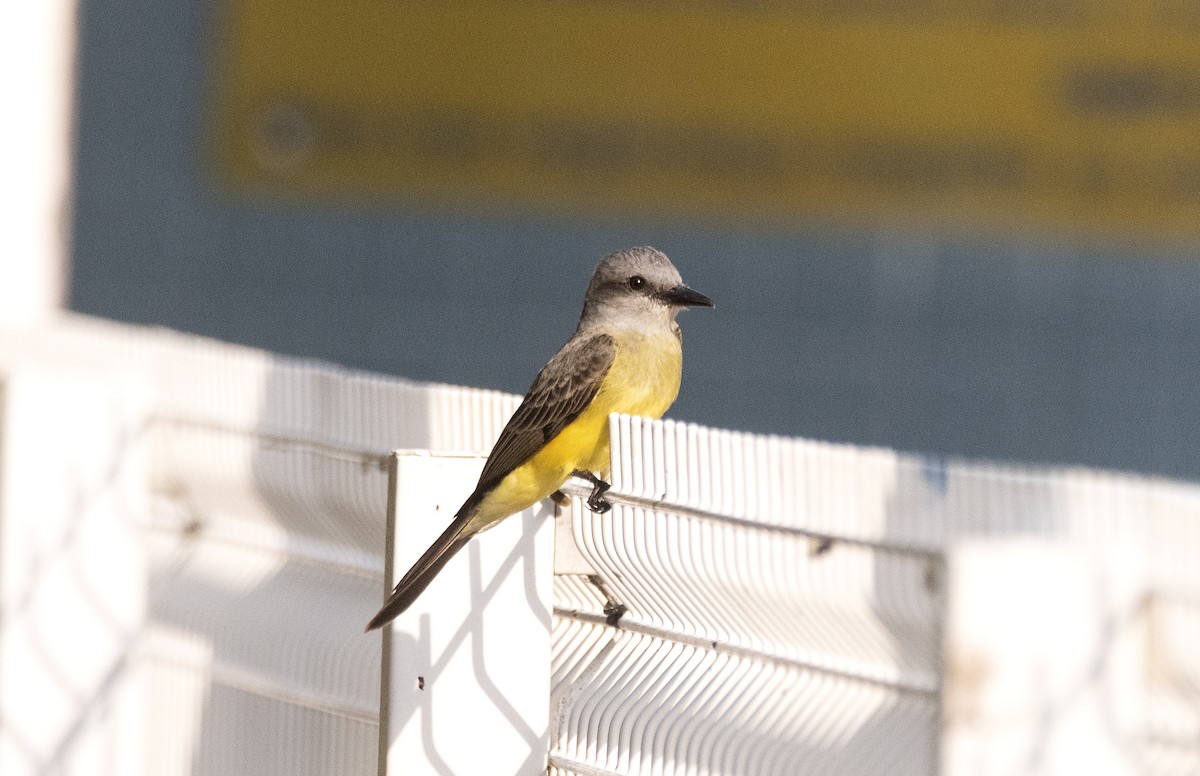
(643, 380)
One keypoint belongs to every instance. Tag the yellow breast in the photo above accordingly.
(644, 377)
(643, 380)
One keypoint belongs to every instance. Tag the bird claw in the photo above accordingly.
(597, 504)
(596, 501)
(613, 612)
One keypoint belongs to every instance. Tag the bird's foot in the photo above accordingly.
(614, 610)
(596, 501)
(560, 498)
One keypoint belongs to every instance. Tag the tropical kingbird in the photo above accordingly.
(625, 356)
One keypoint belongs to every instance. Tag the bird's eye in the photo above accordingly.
(637, 282)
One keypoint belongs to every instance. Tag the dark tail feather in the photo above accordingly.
(453, 539)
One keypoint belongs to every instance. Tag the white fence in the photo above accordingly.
(788, 613)
(192, 537)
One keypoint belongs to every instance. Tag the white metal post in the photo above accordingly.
(37, 59)
(466, 674)
(1045, 661)
(72, 574)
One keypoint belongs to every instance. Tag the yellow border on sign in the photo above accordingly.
(1083, 116)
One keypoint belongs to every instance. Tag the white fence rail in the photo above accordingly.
(192, 537)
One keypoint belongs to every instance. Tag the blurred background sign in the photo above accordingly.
(1063, 114)
(959, 227)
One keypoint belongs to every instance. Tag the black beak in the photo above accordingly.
(682, 296)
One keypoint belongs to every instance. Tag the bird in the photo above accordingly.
(626, 356)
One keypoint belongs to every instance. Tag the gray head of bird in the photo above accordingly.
(637, 286)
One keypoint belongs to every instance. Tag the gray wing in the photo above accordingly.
(560, 392)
